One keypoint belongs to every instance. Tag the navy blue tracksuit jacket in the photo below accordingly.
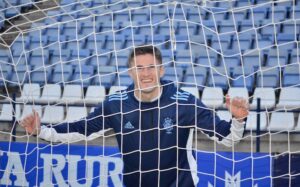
(154, 137)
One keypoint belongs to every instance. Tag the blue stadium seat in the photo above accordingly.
(39, 58)
(288, 40)
(159, 14)
(74, 44)
(196, 71)
(276, 57)
(82, 12)
(2, 20)
(141, 15)
(248, 26)
(291, 75)
(158, 40)
(205, 56)
(5, 55)
(227, 26)
(134, 3)
(244, 3)
(99, 60)
(295, 56)
(88, 27)
(83, 75)
(262, 42)
(19, 43)
(184, 58)
(136, 40)
(142, 29)
(243, 77)
(120, 58)
(121, 16)
(81, 57)
(123, 81)
(96, 43)
(225, 4)
(237, 16)
(64, 18)
(195, 15)
(268, 77)
(59, 56)
(116, 5)
(221, 42)
(164, 28)
(52, 30)
(62, 73)
(36, 41)
(259, 13)
(167, 56)
(54, 43)
(290, 27)
(178, 13)
(116, 42)
(20, 75)
(70, 28)
(153, 2)
(5, 73)
(174, 73)
(40, 75)
(186, 28)
(12, 11)
(218, 77)
(242, 41)
(210, 25)
(277, 14)
(20, 57)
(195, 75)
(269, 29)
(216, 14)
(198, 39)
(181, 42)
(81, 54)
(54, 15)
(105, 76)
(229, 62)
(252, 60)
(61, 42)
(295, 12)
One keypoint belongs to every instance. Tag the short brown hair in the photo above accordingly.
(147, 49)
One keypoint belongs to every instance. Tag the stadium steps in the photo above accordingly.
(15, 25)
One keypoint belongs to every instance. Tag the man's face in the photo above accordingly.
(146, 71)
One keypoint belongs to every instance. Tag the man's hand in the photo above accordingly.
(32, 123)
(239, 107)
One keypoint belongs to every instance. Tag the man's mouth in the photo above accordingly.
(146, 80)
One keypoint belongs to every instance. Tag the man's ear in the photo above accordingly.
(161, 71)
(130, 72)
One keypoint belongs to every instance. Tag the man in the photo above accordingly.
(154, 123)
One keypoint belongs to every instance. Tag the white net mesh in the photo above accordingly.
(63, 59)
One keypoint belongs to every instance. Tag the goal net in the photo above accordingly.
(65, 58)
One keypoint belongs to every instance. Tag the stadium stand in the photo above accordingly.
(259, 48)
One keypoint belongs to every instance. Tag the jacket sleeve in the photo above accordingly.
(226, 133)
(88, 128)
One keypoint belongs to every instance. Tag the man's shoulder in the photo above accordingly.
(174, 93)
(120, 95)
